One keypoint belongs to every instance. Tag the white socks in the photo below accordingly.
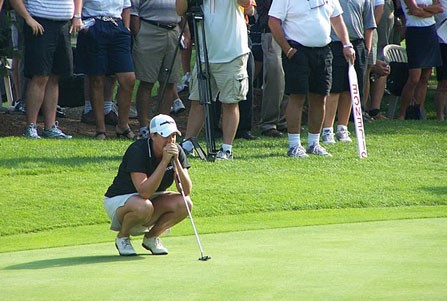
(107, 106)
(187, 145)
(294, 140)
(313, 139)
(226, 147)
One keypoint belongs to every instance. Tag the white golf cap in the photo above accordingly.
(163, 125)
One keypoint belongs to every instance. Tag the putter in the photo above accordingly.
(357, 112)
(179, 183)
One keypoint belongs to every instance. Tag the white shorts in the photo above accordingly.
(113, 203)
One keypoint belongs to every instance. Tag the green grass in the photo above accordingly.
(51, 184)
(276, 227)
(388, 260)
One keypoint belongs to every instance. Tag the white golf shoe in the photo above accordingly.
(124, 246)
(154, 245)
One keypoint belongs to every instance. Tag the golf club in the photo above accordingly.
(179, 183)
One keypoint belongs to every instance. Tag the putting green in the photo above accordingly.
(387, 260)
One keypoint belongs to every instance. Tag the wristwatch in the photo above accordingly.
(77, 16)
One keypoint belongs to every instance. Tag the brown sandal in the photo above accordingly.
(99, 135)
(127, 133)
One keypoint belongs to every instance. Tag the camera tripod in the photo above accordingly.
(195, 14)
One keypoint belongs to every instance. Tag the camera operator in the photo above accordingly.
(227, 66)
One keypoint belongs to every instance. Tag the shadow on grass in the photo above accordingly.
(70, 261)
(47, 161)
(439, 190)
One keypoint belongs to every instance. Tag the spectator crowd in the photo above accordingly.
(296, 53)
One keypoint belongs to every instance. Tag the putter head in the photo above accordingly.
(205, 258)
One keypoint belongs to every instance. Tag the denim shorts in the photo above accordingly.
(104, 49)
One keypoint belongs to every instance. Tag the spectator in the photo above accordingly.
(227, 65)
(422, 50)
(105, 49)
(48, 56)
(441, 71)
(380, 71)
(272, 120)
(137, 201)
(186, 54)
(303, 32)
(246, 107)
(154, 25)
(359, 19)
(372, 58)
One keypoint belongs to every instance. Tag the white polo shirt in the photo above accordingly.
(107, 8)
(225, 30)
(308, 26)
(413, 21)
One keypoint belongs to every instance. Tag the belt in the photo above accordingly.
(161, 25)
(108, 19)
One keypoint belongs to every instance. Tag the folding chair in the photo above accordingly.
(5, 70)
(396, 57)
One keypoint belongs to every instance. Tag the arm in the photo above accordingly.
(1, 5)
(186, 33)
(23, 12)
(415, 10)
(147, 186)
(278, 35)
(340, 29)
(181, 6)
(134, 24)
(244, 3)
(76, 22)
(126, 17)
(368, 38)
(378, 13)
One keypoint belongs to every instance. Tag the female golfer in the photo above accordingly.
(137, 202)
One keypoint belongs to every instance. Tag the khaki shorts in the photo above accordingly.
(113, 203)
(153, 52)
(230, 80)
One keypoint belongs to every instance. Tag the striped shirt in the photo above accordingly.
(50, 9)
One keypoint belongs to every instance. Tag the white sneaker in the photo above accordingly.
(177, 106)
(31, 131)
(55, 132)
(221, 155)
(124, 246)
(317, 149)
(328, 137)
(297, 151)
(143, 134)
(343, 136)
(154, 245)
(184, 82)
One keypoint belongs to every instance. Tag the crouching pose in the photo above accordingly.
(137, 202)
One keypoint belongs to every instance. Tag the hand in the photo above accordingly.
(76, 24)
(170, 151)
(36, 27)
(291, 52)
(381, 68)
(349, 54)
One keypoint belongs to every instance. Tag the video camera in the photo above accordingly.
(194, 5)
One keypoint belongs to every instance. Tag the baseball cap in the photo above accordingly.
(163, 125)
